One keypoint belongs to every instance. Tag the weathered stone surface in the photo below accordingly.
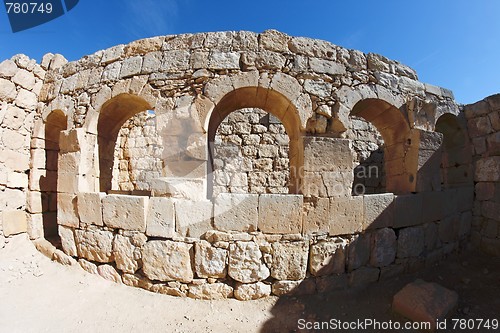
(14, 222)
(90, 208)
(245, 263)
(45, 247)
(411, 242)
(88, 266)
(347, 214)
(316, 215)
(67, 240)
(320, 152)
(280, 213)
(384, 245)
(210, 291)
(125, 212)
(408, 210)
(274, 41)
(238, 212)
(109, 273)
(246, 292)
(296, 288)
(95, 245)
(160, 218)
(167, 261)
(209, 261)
(326, 258)
(422, 301)
(289, 260)
(488, 169)
(193, 218)
(8, 91)
(358, 251)
(363, 276)
(126, 251)
(378, 211)
(64, 259)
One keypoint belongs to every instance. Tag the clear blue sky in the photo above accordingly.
(453, 44)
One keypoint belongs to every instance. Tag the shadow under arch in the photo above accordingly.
(55, 122)
(272, 102)
(396, 134)
(114, 113)
(455, 160)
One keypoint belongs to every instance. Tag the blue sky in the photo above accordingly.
(453, 44)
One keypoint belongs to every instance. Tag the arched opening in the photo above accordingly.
(54, 124)
(396, 136)
(368, 145)
(279, 109)
(455, 161)
(137, 154)
(113, 115)
(251, 150)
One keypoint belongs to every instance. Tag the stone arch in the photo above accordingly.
(455, 161)
(272, 102)
(396, 134)
(113, 114)
(55, 122)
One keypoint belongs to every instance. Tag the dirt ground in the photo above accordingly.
(37, 295)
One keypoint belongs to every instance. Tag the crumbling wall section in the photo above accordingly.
(484, 131)
(21, 80)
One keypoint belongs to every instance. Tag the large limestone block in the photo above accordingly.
(246, 292)
(193, 218)
(14, 222)
(245, 263)
(90, 207)
(327, 154)
(95, 245)
(179, 187)
(280, 214)
(358, 251)
(161, 218)
(411, 242)
(68, 243)
(328, 257)
(8, 90)
(422, 301)
(109, 273)
(237, 212)
(127, 252)
(125, 212)
(274, 41)
(67, 210)
(210, 291)
(347, 214)
(378, 211)
(167, 261)
(317, 215)
(24, 79)
(289, 260)
(209, 261)
(408, 210)
(384, 246)
(488, 169)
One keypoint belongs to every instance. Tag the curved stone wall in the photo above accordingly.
(175, 237)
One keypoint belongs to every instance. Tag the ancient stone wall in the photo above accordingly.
(483, 122)
(337, 108)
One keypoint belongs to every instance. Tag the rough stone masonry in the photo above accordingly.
(236, 164)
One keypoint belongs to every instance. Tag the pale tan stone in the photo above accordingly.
(14, 222)
(90, 207)
(347, 214)
(125, 212)
(209, 261)
(210, 291)
(67, 240)
(246, 292)
(67, 211)
(378, 210)
(88, 266)
(193, 218)
(94, 245)
(109, 273)
(328, 257)
(280, 213)
(127, 255)
(289, 260)
(64, 259)
(160, 218)
(238, 212)
(167, 261)
(245, 263)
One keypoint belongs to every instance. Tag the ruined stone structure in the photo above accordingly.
(116, 159)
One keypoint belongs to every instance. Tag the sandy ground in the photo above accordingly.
(38, 295)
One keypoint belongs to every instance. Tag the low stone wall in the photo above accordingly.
(249, 246)
(484, 130)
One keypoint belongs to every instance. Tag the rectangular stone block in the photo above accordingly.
(280, 214)
(67, 240)
(90, 208)
(378, 211)
(125, 212)
(346, 215)
(69, 163)
(71, 140)
(408, 210)
(193, 218)
(67, 210)
(161, 218)
(316, 215)
(36, 202)
(35, 226)
(432, 206)
(182, 188)
(236, 212)
(14, 222)
(320, 152)
(67, 182)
